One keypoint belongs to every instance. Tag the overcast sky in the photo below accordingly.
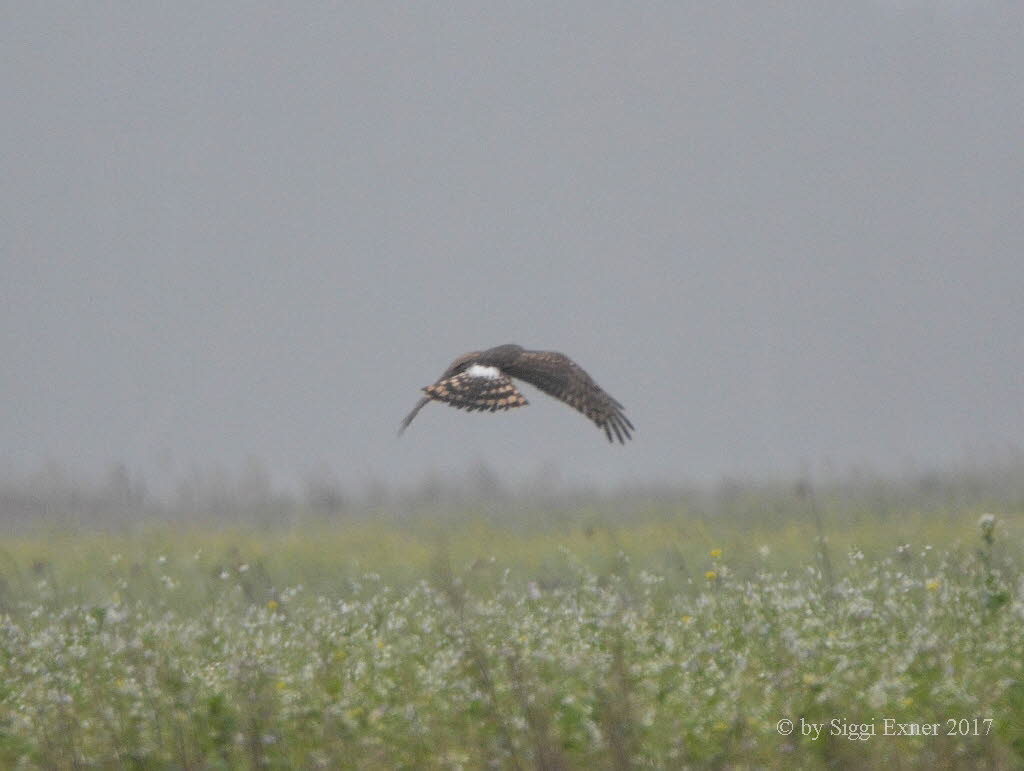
(780, 234)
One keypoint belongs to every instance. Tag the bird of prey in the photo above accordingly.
(482, 380)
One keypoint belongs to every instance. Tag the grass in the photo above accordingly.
(518, 637)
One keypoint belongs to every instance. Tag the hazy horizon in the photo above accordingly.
(784, 238)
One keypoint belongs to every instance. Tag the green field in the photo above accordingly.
(636, 632)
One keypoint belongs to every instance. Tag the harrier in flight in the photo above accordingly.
(482, 380)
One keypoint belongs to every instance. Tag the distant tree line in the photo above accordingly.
(52, 496)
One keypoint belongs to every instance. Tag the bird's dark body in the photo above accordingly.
(470, 383)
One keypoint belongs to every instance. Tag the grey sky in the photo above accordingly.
(779, 234)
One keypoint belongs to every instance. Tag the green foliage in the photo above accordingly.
(667, 641)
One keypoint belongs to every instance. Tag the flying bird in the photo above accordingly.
(482, 380)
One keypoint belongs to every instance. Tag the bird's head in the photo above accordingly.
(460, 364)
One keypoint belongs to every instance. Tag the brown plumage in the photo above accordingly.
(482, 380)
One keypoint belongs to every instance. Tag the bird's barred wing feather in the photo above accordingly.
(456, 366)
(558, 375)
(471, 392)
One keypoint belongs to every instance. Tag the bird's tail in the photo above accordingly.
(415, 410)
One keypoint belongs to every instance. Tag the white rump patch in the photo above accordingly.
(479, 370)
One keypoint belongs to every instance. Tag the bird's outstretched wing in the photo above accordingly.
(415, 411)
(559, 376)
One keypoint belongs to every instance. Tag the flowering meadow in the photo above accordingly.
(657, 640)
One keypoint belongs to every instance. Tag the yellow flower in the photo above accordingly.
(272, 605)
(281, 685)
(687, 619)
(716, 553)
(711, 575)
(933, 585)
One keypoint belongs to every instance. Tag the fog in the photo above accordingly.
(784, 236)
